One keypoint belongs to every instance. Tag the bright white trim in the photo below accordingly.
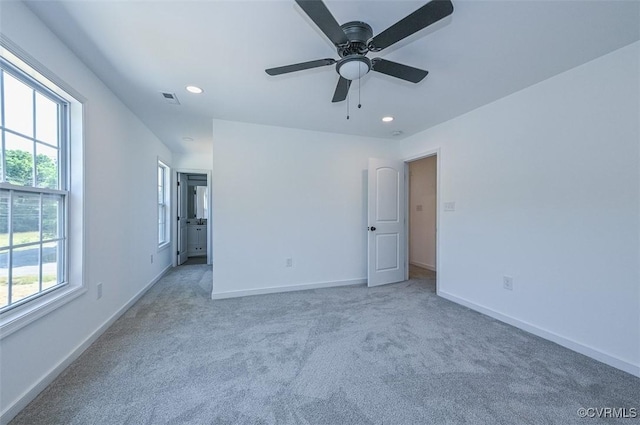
(30, 394)
(279, 289)
(19, 317)
(168, 205)
(423, 265)
(594, 353)
(30, 189)
(174, 199)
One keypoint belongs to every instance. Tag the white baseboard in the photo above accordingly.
(423, 265)
(278, 289)
(30, 394)
(596, 354)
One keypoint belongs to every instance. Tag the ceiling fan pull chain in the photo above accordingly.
(359, 104)
(347, 103)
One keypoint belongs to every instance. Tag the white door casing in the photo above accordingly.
(182, 222)
(386, 229)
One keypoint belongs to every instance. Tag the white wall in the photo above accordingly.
(193, 161)
(546, 185)
(280, 193)
(120, 217)
(422, 212)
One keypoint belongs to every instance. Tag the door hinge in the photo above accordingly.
(178, 253)
(178, 183)
(178, 218)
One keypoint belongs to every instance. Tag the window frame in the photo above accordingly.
(71, 157)
(165, 203)
(61, 192)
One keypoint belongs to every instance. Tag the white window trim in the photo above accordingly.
(25, 314)
(167, 189)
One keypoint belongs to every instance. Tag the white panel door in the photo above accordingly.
(386, 222)
(182, 218)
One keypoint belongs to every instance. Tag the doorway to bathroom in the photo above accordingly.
(193, 218)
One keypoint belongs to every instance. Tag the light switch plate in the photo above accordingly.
(449, 206)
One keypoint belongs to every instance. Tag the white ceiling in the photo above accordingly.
(484, 51)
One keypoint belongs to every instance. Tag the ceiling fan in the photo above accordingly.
(354, 40)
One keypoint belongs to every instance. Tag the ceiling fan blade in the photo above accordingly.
(342, 89)
(398, 70)
(320, 15)
(299, 66)
(428, 14)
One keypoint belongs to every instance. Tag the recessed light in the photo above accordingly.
(194, 89)
(387, 119)
(188, 139)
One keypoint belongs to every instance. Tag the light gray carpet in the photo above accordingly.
(396, 354)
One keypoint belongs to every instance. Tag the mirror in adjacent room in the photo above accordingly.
(201, 202)
(197, 201)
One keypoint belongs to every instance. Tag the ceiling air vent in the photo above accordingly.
(170, 98)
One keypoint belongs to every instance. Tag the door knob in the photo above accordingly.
(372, 228)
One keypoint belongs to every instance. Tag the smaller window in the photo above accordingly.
(163, 204)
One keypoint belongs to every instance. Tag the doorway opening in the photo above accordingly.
(193, 218)
(422, 220)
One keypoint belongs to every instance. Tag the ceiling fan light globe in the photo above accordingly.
(353, 67)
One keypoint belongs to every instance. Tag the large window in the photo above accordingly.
(163, 204)
(33, 188)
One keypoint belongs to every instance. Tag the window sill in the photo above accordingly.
(164, 246)
(22, 316)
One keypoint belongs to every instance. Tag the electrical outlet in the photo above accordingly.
(151, 258)
(289, 262)
(99, 290)
(507, 283)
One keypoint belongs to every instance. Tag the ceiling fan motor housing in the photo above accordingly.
(358, 33)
